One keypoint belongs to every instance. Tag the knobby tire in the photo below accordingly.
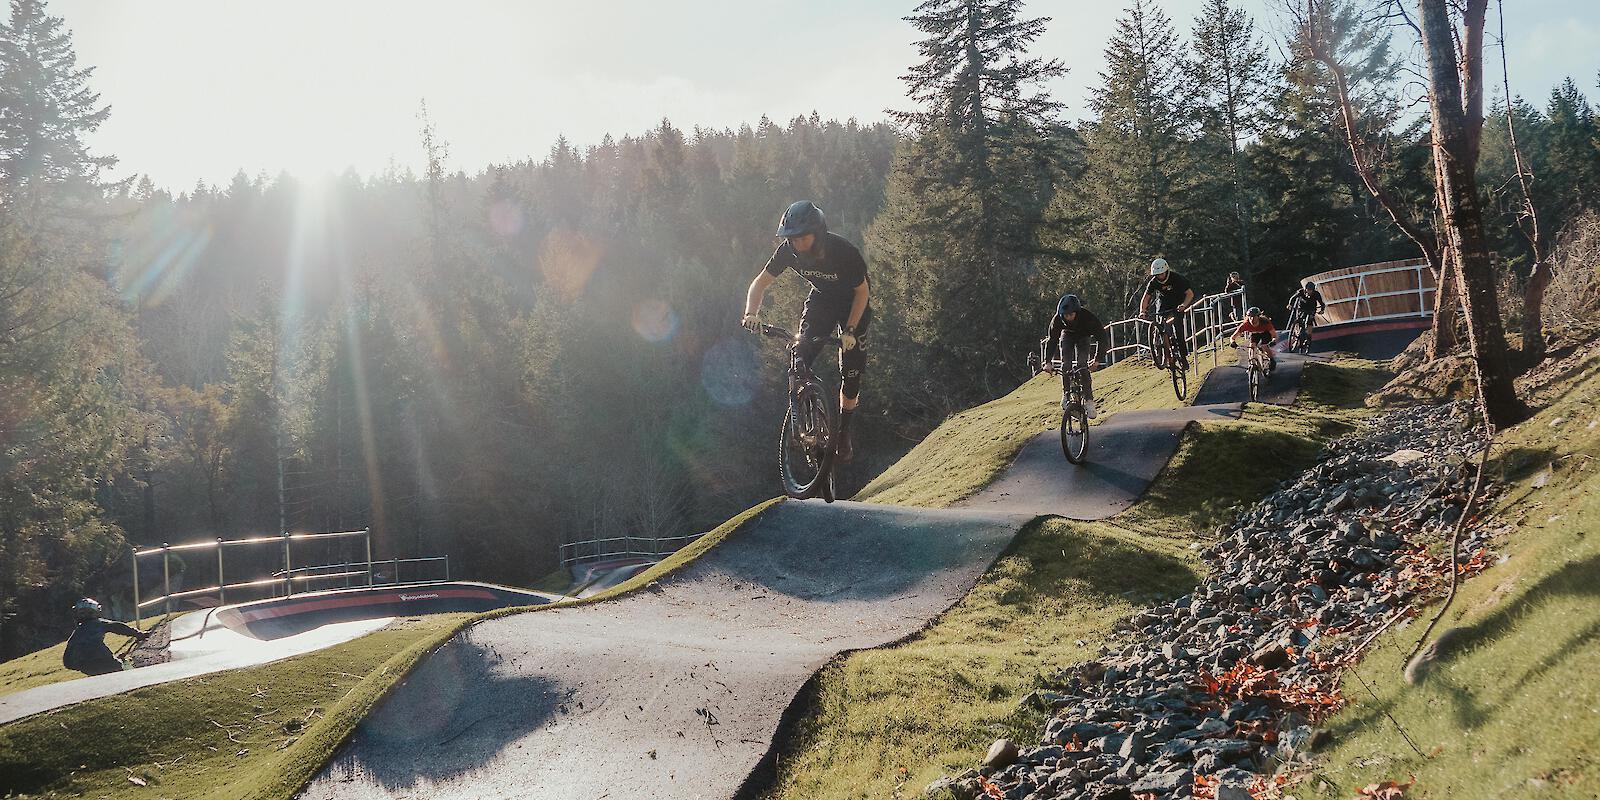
(806, 471)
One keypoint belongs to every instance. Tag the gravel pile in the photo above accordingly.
(1206, 696)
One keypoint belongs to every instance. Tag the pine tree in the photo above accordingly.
(46, 106)
(957, 240)
(1139, 176)
(1571, 182)
(1229, 77)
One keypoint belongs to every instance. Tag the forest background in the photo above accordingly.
(488, 363)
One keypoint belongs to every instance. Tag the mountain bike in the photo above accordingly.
(810, 435)
(1164, 351)
(1257, 370)
(1074, 418)
(1300, 336)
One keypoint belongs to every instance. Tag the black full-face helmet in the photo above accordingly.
(801, 218)
(1070, 304)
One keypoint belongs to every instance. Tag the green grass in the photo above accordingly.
(43, 667)
(287, 717)
(964, 454)
(887, 722)
(1516, 714)
(226, 735)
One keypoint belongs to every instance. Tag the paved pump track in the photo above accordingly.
(679, 690)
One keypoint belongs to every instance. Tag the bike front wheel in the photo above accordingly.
(1074, 433)
(805, 447)
(1180, 379)
(1255, 382)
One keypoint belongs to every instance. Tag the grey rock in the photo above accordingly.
(1001, 754)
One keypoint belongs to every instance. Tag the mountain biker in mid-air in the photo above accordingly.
(86, 648)
(838, 277)
(1262, 334)
(1174, 296)
(1305, 305)
(1073, 330)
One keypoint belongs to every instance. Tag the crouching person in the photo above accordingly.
(86, 648)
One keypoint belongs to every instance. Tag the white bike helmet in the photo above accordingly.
(1158, 266)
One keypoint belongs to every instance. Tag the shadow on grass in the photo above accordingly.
(1345, 386)
(1518, 463)
(1576, 579)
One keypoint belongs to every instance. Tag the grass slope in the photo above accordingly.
(887, 722)
(43, 667)
(1515, 712)
(255, 733)
(222, 735)
(964, 453)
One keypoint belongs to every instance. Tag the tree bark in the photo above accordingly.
(1455, 155)
(1445, 307)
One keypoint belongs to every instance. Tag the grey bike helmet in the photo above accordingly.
(1310, 287)
(1255, 311)
(1070, 304)
(87, 608)
(801, 218)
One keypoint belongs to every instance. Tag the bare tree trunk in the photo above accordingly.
(1527, 222)
(1455, 153)
(1444, 318)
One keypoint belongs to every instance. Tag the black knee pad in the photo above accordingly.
(852, 363)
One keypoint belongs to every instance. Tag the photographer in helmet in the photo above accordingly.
(86, 648)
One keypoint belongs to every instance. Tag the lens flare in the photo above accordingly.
(506, 218)
(654, 320)
(729, 372)
(567, 261)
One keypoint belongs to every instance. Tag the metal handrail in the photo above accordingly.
(656, 550)
(1204, 319)
(288, 576)
(1363, 296)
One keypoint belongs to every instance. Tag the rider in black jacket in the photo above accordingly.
(1073, 329)
(86, 648)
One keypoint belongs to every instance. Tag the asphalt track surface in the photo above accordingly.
(1230, 383)
(252, 634)
(679, 691)
(675, 691)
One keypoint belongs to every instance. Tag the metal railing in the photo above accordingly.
(1362, 296)
(1206, 320)
(287, 577)
(571, 552)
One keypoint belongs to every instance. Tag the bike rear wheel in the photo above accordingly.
(1074, 432)
(805, 448)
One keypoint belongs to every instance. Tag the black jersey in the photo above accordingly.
(1303, 304)
(1084, 325)
(1169, 295)
(834, 267)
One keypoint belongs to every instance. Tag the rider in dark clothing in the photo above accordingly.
(86, 648)
(839, 293)
(1305, 305)
(1173, 296)
(1073, 329)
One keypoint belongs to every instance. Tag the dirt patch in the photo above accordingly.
(1448, 378)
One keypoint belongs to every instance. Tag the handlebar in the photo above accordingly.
(780, 333)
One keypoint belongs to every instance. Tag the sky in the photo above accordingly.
(202, 89)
